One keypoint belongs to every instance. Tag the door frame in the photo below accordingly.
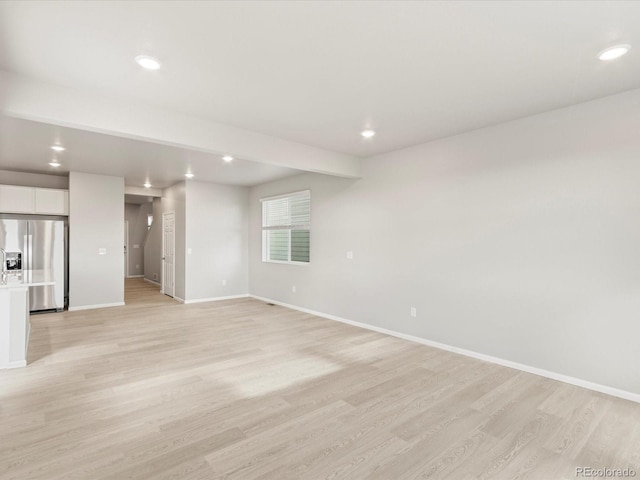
(162, 290)
(126, 249)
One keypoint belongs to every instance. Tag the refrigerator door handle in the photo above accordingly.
(25, 253)
(29, 251)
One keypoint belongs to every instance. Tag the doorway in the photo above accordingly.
(168, 254)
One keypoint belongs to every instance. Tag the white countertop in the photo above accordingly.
(27, 278)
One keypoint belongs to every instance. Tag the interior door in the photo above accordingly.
(168, 254)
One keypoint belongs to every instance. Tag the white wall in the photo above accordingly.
(174, 200)
(153, 245)
(96, 220)
(217, 230)
(39, 180)
(519, 241)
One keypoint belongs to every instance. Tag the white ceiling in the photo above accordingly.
(25, 146)
(319, 72)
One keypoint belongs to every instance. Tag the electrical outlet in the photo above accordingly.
(224, 282)
(349, 255)
(293, 289)
(137, 267)
(413, 312)
(155, 276)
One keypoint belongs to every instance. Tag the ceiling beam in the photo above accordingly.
(147, 192)
(37, 101)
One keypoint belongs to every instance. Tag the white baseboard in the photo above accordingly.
(216, 299)
(616, 392)
(91, 307)
(17, 364)
(212, 299)
(135, 276)
(152, 281)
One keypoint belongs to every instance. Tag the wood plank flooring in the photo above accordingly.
(241, 390)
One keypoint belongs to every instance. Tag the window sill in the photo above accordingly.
(281, 262)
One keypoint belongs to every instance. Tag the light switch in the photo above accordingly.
(349, 255)
(136, 246)
(102, 251)
(188, 251)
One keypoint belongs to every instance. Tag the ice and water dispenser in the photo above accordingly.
(14, 262)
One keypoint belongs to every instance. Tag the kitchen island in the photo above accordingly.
(14, 314)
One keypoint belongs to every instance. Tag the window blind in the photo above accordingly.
(286, 223)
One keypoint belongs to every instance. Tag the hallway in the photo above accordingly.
(138, 292)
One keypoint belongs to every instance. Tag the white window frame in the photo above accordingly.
(289, 228)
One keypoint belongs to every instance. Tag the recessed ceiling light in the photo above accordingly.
(150, 63)
(147, 185)
(367, 133)
(54, 163)
(58, 148)
(227, 158)
(188, 175)
(614, 52)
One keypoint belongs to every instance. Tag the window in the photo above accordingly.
(149, 221)
(285, 228)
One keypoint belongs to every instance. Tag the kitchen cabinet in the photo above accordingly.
(14, 314)
(15, 199)
(50, 201)
(43, 201)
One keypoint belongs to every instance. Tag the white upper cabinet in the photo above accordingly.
(52, 201)
(45, 201)
(17, 199)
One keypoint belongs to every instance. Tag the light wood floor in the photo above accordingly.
(242, 390)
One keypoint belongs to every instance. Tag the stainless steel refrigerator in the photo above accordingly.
(37, 243)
